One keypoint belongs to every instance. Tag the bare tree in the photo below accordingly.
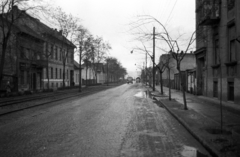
(89, 49)
(161, 68)
(100, 49)
(167, 62)
(172, 43)
(81, 36)
(68, 26)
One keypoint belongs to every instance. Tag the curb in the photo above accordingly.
(211, 150)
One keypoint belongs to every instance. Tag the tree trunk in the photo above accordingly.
(80, 70)
(96, 77)
(161, 82)
(31, 77)
(107, 73)
(86, 75)
(48, 74)
(169, 85)
(4, 50)
(63, 74)
(183, 89)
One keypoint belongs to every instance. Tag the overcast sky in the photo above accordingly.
(110, 19)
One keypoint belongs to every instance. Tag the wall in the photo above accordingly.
(188, 62)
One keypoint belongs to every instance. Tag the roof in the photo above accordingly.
(76, 65)
(27, 30)
(100, 67)
(41, 28)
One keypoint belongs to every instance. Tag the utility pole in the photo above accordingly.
(153, 59)
(146, 69)
(80, 66)
(107, 72)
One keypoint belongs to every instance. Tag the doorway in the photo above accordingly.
(34, 81)
(201, 75)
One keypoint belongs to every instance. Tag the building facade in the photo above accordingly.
(218, 49)
(100, 72)
(58, 52)
(34, 48)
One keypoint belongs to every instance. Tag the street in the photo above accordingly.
(121, 121)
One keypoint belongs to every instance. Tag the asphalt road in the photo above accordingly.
(121, 121)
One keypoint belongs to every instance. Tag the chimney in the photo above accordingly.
(60, 32)
(15, 7)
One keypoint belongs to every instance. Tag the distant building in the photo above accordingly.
(101, 73)
(76, 74)
(88, 74)
(188, 63)
(218, 49)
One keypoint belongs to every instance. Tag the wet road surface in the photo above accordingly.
(121, 121)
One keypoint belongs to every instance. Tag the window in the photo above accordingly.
(51, 73)
(34, 54)
(232, 51)
(56, 73)
(52, 54)
(66, 56)
(231, 91)
(28, 76)
(46, 74)
(215, 89)
(52, 85)
(231, 4)
(46, 48)
(67, 74)
(60, 73)
(231, 43)
(38, 55)
(216, 52)
(22, 76)
(27, 53)
(60, 55)
(22, 52)
(56, 53)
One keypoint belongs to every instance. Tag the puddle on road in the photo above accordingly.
(191, 152)
(144, 94)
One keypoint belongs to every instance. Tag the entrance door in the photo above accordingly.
(201, 75)
(71, 78)
(34, 79)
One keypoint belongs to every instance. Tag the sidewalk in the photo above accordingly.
(202, 119)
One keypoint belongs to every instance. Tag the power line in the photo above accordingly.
(163, 11)
(171, 12)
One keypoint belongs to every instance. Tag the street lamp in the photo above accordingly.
(153, 59)
(145, 67)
